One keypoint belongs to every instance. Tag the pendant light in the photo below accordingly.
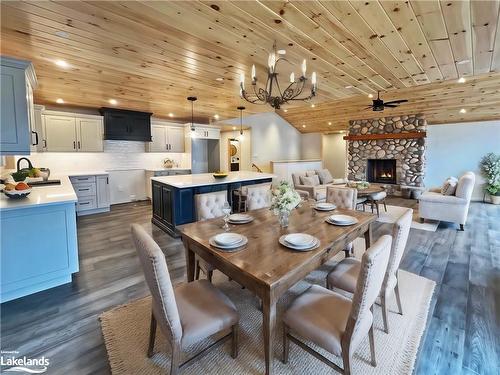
(192, 99)
(241, 120)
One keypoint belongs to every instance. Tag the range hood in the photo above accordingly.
(125, 125)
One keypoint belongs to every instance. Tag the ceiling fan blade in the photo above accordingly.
(396, 101)
(391, 105)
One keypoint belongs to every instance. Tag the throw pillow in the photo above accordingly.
(449, 186)
(325, 177)
(310, 181)
(310, 173)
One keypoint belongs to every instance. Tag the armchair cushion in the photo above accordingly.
(449, 186)
(310, 181)
(433, 197)
(325, 177)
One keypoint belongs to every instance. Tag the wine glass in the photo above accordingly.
(226, 209)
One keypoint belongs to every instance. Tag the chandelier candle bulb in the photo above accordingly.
(242, 79)
(272, 61)
(292, 77)
(304, 68)
(254, 76)
(313, 79)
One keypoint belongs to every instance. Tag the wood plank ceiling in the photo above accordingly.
(151, 55)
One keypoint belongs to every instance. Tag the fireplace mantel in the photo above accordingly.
(369, 137)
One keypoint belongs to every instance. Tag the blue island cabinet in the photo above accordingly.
(39, 249)
(173, 206)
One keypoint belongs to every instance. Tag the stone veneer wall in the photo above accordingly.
(409, 153)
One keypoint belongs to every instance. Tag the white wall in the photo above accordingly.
(453, 149)
(273, 138)
(335, 154)
(311, 146)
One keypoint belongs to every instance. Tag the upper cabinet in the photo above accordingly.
(124, 125)
(18, 80)
(166, 138)
(72, 133)
(206, 132)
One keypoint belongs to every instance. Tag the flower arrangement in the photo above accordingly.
(490, 168)
(284, 197)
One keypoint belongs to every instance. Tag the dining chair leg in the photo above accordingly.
(234, 340)
(152, 336)
(378, 212)
(209, 275)
(372, 346)
(385, 205)
(175, 359)
(383, 304)
(197, 271)
(346, 361)
(286, 344)
(398, 298)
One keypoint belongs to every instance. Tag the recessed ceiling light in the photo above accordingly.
(59, 101)
(62, 34)
(62, 63)
(313, 105)
(463, 62)
(281, 52)
(461, 80)
(349, 87)
(220, 79)
(370, 96)
(113, 102)
(234, 127)
(329, 122)
(216, 117)
(303, 126)
(285, 110)
(463, 110)
(170, 114)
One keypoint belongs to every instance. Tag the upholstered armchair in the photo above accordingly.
(453, 208)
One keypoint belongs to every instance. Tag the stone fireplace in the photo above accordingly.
(388, 150)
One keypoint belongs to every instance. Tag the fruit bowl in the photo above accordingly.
(220, 174)
(17, 194)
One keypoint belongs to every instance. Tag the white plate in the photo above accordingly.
(313, 246)
(240, 218)
(341, 223)
(325, 206)
(227, 239)
(232, 247)
(299, 239)
(341, 219)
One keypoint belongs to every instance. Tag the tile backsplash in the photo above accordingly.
(117, 155)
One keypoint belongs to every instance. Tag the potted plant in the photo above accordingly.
(490, 168)
(284, 199)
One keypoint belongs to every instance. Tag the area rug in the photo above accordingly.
(125, 330)
(394, 213)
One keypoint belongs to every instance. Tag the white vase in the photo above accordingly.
(495, 199)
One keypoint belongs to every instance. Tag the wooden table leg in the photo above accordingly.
(268, 327)
(190, 260)
(368, 236)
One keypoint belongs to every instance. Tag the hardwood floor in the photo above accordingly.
(463, 334)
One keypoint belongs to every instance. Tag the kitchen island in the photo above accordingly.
(39, 248)
(173, 196)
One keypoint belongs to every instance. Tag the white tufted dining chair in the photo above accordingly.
(342, 197)
(258, 196)
(334, 322)
(346, 273)
(346, 198)
(208, 206)
(186, 314)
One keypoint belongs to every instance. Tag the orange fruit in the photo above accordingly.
(22, 186)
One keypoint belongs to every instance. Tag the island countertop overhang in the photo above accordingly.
(204, 179)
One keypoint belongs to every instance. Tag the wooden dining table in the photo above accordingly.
(263, 265)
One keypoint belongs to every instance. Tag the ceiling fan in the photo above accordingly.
(379, 105)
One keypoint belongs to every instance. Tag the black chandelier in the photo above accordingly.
(272, 93)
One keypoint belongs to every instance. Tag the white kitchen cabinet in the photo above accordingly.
(68, 133)
(206, 132)
(89, 133)
(17, 82)
(166, 139)
(37, 131)
(103, 199)
(60, 133)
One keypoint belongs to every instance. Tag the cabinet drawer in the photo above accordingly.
(84, 204)
(79, 179)
(161, 173)
(85, 189)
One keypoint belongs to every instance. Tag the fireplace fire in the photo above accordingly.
(381, 171)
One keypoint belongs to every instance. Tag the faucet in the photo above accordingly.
(30, 166)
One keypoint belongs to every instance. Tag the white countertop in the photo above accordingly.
(167, 169)
(203, 179)
(42, 195)
(86, 173)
